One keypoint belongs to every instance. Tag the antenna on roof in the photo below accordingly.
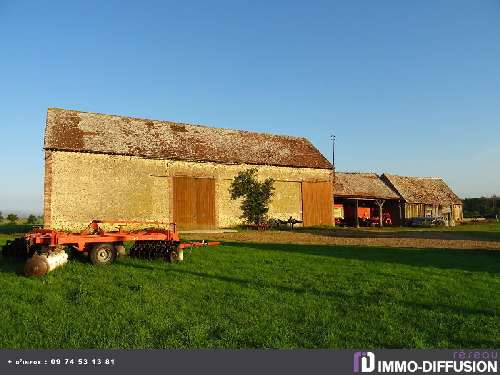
(332, 137)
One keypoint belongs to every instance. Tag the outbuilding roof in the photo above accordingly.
(426, 190)
(361, 185)
(71, 130)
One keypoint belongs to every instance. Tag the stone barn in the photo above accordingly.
(122, 168)
(426, 196)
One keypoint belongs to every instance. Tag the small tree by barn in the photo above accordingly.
(256, 195)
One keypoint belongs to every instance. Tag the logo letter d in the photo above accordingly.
(368, 362)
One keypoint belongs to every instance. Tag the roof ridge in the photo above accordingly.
(349, 172)
(416, 177)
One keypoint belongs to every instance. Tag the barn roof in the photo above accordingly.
(71, 130)
(361, 185)
(426, 190)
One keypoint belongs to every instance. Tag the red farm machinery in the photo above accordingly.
(47, 249)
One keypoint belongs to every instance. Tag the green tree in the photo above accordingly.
(256, 195)
(1, 217)
(12, 218)
(31, 219)
(486, 207)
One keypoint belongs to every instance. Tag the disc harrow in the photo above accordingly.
(49, 248)
(151, 250)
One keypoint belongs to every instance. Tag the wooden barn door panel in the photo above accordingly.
(194, 202)
(184, 202)
(205, 202)
(317, 203)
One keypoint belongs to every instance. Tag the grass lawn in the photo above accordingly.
(260, 296)
(489, 231)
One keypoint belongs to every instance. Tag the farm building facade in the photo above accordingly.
(366, 198)
(122, 168)
(362, 197)
(426, 196)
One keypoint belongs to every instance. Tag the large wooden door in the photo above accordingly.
(317, 203)
(194, 202)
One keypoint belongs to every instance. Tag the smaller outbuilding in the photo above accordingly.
(426, 196)
(363, 199)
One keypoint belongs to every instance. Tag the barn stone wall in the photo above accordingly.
(80, 187)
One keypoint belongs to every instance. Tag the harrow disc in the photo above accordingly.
(151, 250)
(17, 248)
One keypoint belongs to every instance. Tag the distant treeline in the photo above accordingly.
(482, 207)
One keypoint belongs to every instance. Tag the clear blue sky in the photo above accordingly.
(408, 87)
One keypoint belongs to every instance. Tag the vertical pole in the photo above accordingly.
(380, 204)
(380, 215)
(400, 214)
(332, 137)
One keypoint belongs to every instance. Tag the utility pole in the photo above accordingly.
(332, 137)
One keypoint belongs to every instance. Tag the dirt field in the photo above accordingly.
(414, 239)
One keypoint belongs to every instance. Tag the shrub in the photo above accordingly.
(256, 195)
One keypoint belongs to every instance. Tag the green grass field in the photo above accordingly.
(489, 231)
(260, 296)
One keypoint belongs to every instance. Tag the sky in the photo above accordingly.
(407, 87)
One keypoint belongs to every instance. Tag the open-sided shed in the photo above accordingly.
(365, 198)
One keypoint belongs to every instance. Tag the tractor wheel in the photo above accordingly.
(102, 254)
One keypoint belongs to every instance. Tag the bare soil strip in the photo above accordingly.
(342, 238)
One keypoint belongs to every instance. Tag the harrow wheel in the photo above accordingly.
(102, 254)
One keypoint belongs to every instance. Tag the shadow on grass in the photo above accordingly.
(12, 265)
(350, 299)
(466, 260)
(397, 233)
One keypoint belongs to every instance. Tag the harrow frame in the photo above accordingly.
(94, 234)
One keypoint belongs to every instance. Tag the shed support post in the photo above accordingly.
(400, 214)
(451, 222)
(380, 204)
(356, 214)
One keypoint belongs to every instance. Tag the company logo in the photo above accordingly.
(363, 362)
(469, 363)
